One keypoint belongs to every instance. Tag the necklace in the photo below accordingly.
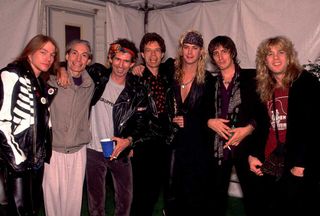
(226, 82)
(227, 79)
(183, 85)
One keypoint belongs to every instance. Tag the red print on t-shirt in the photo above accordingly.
(279, 118)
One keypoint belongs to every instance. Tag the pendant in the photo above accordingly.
(183, 86)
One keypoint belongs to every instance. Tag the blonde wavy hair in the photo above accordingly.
(200, 73)
(266, 83)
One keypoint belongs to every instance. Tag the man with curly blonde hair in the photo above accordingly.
(291, 98)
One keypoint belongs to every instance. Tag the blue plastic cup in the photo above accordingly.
(107, 147)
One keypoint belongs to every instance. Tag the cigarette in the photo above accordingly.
(229, 148)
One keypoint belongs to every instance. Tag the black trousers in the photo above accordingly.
(3, 193)
(3, 190)
(25, 192)
(189, 190)
(149, 173)
(289, 195)
(237, 158)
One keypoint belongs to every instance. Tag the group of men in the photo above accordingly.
(177, 128)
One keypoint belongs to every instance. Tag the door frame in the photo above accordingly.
(58, 17)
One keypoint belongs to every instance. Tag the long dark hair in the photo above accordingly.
(227, 43)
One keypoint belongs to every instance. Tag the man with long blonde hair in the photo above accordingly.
(190, 175)
(188, 40)
(291, 98)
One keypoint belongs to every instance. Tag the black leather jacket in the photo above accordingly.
(134, 112)
(123, 109)
(25, 136)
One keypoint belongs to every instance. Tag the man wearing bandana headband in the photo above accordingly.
(111, 114)
(111, 117)
(115, 48)
(194, 38)
(190, 191)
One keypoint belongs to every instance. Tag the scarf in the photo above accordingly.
(234, 102)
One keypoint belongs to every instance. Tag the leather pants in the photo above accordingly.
(25, 192)
(3, 194)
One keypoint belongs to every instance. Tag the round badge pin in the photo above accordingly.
(43, 100)
(50, 91)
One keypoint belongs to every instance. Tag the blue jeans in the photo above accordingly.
(121, 171)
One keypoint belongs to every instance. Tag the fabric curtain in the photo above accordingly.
(19, 23)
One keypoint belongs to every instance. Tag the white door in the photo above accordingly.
(65, 24)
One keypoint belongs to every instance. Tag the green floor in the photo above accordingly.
(235, 205)
(235, 208)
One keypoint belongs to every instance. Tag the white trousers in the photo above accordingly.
(63, 183)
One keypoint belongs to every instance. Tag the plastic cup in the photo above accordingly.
(107, 147)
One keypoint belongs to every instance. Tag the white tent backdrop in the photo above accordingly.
(122, 22)
(247, 22)
(20, 21)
